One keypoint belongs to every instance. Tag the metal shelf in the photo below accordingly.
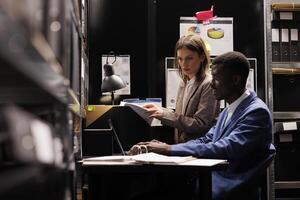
(286, 71)
(287, 185)
(286, 115)
(285, 64)
(25, 75)
(74, 104)
(38, 63)
(273, 68)
(285, 6)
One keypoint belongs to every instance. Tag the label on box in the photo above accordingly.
(289, 126)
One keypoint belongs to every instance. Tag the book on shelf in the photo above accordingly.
(146, 158)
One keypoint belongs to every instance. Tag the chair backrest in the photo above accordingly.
(263, 178)
(256, 186)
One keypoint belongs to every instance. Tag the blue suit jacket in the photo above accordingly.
(245, 142)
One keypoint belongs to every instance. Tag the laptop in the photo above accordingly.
(115, 135)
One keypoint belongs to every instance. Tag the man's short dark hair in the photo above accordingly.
(235, 62)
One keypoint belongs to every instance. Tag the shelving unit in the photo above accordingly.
(44, 80)
(282, 80)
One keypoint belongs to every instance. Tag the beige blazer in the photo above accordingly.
(201, 110)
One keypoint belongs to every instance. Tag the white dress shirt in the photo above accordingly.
(231, 107)
(187, 90)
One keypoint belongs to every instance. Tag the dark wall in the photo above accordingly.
(148, 30)
(248, 29)
(119, 26)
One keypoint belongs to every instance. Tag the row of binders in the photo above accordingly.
(285, 37)
(285, 45)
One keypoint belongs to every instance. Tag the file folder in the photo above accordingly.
(285, 45)
(294, 44)
(275, 45)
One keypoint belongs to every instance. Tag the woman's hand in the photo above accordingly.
(154, 110)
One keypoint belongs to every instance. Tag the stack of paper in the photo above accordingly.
(161, 159)
(148, 158)
(137, 106)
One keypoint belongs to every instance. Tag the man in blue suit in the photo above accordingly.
(242, 134)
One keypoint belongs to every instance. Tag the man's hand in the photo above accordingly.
(159, 147)
(154, 110)
(152, 146)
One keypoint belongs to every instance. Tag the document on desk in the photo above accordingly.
(145, 158)
(109, 160)
(154, 158)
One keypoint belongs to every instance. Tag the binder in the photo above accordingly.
(294, 45)
(275, 45)
(285, 45)
(276, 15)
(297, 16)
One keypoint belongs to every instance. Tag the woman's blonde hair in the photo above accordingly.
(196, 44)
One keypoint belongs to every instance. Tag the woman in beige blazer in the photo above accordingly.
(196, 107)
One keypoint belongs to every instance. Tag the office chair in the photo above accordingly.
(256, 187)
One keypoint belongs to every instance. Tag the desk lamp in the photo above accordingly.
(111, 81)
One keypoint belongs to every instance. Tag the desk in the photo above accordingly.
(96, 171)
(130, 128)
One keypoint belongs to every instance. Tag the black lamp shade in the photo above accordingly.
(111, 82)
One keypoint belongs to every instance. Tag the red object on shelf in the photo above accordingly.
(205, 15)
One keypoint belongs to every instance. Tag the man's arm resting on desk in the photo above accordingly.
(246, 136)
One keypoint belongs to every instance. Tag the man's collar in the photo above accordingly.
(234, 105)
